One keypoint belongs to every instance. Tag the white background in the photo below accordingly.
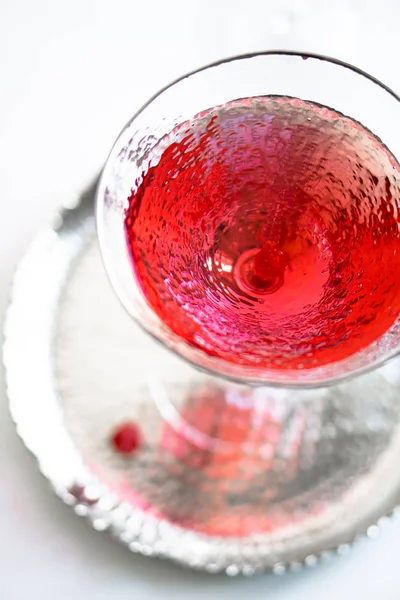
(71, 73)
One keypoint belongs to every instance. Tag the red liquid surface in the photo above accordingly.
(266, 232)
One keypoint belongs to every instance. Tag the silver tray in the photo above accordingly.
(77, 366)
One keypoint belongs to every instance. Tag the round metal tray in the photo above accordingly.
(77, 366)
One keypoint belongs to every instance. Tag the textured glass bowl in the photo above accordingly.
(322, 80)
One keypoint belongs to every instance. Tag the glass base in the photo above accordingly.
(224, 477)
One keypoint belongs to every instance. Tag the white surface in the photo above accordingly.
(71, 73)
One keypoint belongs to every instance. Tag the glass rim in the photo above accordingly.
(243, 379)
(274, 52)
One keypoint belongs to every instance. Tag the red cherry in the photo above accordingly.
(126, 438)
